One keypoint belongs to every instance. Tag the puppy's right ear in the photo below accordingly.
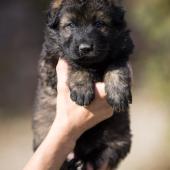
(53, 14)
(56, 3)
(53, 19)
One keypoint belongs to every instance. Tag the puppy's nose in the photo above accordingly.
(85, 48)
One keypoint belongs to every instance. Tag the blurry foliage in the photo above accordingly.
(152, 19)
(155, 17)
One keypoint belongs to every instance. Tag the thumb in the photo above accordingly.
(62, 71)
(100, 90)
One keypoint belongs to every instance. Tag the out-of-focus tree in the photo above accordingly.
(152, 19)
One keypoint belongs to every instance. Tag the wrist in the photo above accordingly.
(63, 132)
(54, 149)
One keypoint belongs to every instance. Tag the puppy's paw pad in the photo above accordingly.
(82, 96)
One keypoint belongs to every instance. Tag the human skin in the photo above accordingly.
(70, 122)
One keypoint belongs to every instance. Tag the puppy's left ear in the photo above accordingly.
(117, 3)
(118, 17)
(126, 44)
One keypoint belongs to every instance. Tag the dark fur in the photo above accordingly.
(110, 140)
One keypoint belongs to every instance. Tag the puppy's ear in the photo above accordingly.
(53, 14)
(126, 44)
(118, 17)
(53, 19)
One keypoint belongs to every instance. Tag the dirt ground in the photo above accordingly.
(150, 142)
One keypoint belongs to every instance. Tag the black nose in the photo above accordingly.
(85, 48)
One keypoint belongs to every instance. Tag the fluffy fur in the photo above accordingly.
(92, 36)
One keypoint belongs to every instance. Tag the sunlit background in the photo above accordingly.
(21, 36)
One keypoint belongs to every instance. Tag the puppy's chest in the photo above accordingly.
(97, 75)
(97, 70)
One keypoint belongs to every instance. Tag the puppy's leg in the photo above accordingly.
(81, 86)
(108, 158)
(45, 105)
(117, 85)
(43, 117)
(110, 146)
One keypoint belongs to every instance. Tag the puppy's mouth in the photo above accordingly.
(81, 57)
(85, 59)
(89, 60)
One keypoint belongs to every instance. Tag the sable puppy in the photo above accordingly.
(93, 37)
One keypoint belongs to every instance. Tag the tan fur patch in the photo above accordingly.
(56, 3)
(80, 76)
(113, 77)
(100, 16)
(66, 18)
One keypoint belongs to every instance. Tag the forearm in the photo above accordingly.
(53, 151)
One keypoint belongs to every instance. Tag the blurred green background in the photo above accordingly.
(21, 36)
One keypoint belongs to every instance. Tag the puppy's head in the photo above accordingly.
(87, 30)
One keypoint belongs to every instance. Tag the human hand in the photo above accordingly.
(75, 119)
(70, 122)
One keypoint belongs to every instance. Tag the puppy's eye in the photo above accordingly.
(70, 25)
(99, 24)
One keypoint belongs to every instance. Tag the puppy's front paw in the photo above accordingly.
(82, 95)
(119, 99)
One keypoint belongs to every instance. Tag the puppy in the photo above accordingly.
(92, 36)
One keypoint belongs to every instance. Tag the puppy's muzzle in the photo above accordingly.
(85, 49)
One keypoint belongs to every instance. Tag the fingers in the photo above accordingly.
(62, 71)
